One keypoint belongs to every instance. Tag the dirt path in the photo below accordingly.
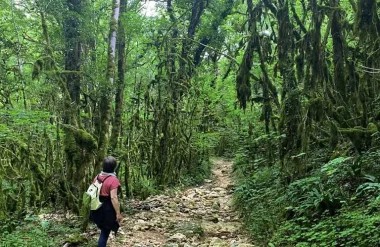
(199, 216)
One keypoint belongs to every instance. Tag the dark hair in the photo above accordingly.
(109, 164)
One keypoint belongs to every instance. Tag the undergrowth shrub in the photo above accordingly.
(143, 187)
(351, 227)
(324, 190)
(369, 164)
(197, 175)
(194, 167)
(256, 195)
(336, 203)
(33, 231)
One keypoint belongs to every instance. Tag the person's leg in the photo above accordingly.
(104, 234)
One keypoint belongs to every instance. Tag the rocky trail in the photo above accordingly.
(199, 216)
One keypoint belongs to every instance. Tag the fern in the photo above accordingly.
(332, 166)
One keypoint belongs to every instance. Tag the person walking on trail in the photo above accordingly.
(108, 216)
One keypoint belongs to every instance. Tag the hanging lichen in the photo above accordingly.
(243, 84)
(291, 112)
(367, 22)
(338, 52)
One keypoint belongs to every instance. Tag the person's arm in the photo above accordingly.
(115, 204)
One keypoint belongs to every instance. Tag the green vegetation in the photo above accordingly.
(36, 231)
(313, 179)
(336, 204)
(288, 89)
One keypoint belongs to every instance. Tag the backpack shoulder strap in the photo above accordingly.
(100, 181)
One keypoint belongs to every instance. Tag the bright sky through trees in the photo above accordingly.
(150, 8)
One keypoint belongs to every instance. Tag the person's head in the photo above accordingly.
(109, 164)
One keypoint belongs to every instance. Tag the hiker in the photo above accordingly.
(108, 216)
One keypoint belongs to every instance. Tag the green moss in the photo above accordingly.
(113, 24)
(79, 147)
(76, 139)
(85, 140)
(371, 129)
(76, 239)
(359, 136)
(367, 19)
(333, 136)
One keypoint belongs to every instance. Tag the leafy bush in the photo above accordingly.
(255, 197)
(143, 187)
(369, 164)
(324, 190)
(335, 204)
(32, 231)
(198, 175)
(368, 190)
(358, 227)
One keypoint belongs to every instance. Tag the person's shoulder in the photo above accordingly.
(113, 178)
(115, 181)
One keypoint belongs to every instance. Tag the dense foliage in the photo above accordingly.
(289, 88)
(70, 94)
(313, 179)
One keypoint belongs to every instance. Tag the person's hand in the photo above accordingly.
(118, 218)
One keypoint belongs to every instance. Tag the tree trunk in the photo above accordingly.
(119, 97)
(243, 84)
(105, 98)
(291, 113)
(338, 51)
(71, 33)
(185, 68)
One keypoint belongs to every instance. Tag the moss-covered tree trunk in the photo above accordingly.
(120, 85)
(314, 74)
(105, 106)
(69, 115)
(71, 35)
(338, 52)
(185, 64)
(243, 83)
(71, 32)
(291, 105)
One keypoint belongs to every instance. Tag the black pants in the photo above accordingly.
(103, 238)
(105, 216)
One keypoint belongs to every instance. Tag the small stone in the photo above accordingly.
(216, 204)
(216, 242)
(214, 219)
(213, 195)
(171, 245)
(178, 237)
(234, 243)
